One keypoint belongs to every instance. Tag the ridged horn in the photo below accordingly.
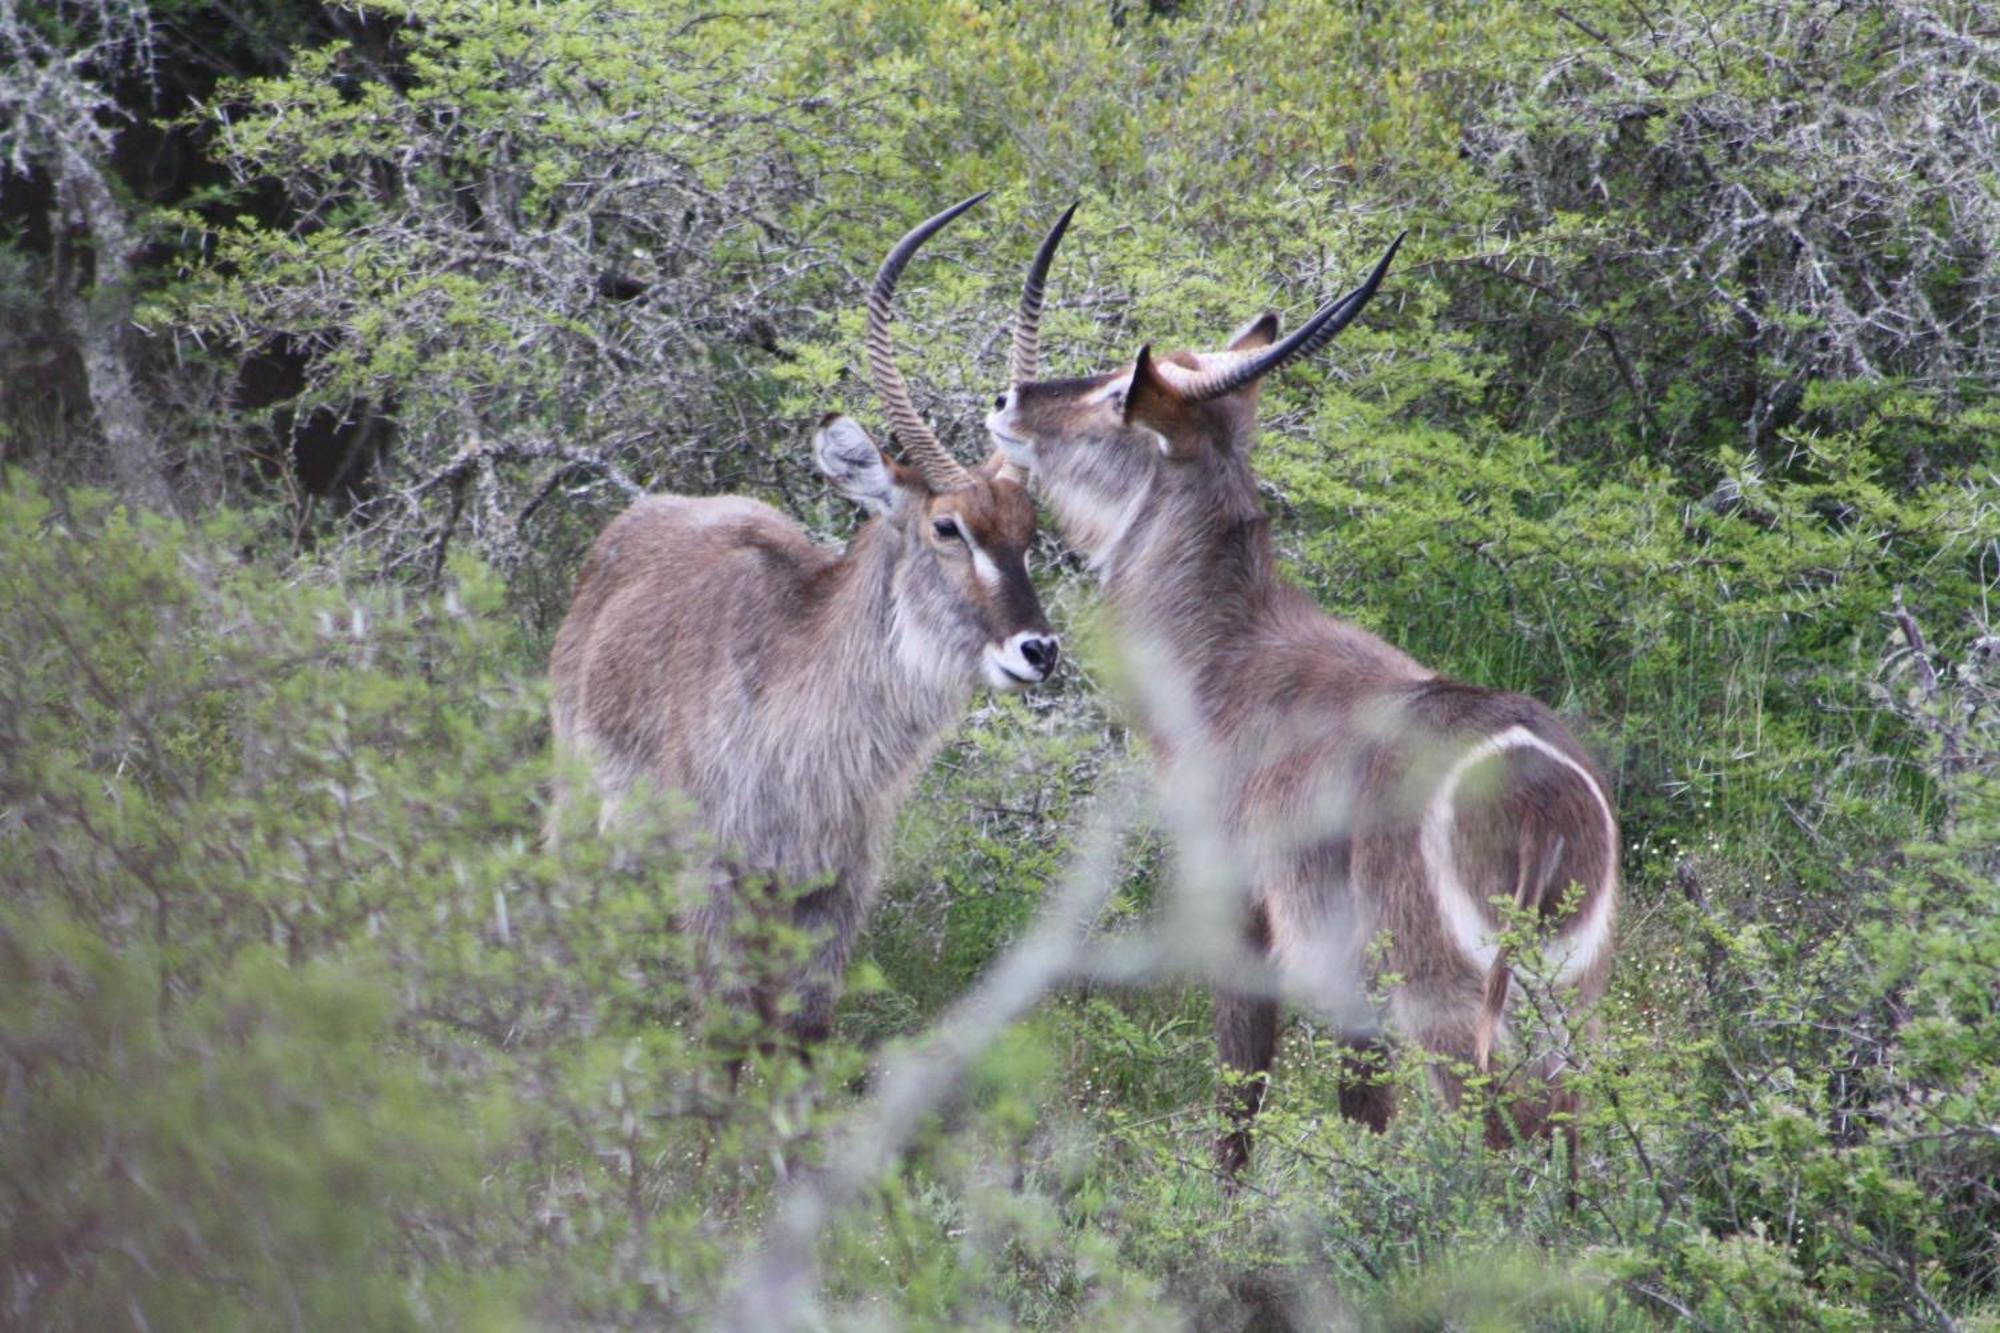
(1308, 338)
(941, 472)
(1028, 321)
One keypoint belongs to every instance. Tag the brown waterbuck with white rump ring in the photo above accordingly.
(793, 693)
(1358, 793)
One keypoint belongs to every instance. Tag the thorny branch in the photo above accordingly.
(1839, 228)
(475, 467)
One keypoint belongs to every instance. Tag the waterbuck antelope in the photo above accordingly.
(793, 693)
(1358, 792)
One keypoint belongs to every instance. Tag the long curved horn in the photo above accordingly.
(1308, 338)
(940, 470)
(1028, 321)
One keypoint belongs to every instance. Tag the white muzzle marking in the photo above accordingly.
(1019, 452)
(1007, 668)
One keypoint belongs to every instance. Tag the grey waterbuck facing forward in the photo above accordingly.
(791, 692)
(1358, 792)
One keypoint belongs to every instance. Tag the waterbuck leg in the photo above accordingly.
(1365, 1094)
(1246, 1039)
(812, 1022)
(831, 916)
(1246, 1036)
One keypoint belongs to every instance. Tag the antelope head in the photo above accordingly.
(963, 592)
(1099, 446)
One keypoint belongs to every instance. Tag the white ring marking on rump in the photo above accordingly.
(1581, 940)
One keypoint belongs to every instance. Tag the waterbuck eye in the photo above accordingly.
(946, 528)
(1001, 402)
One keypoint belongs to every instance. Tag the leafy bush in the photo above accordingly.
(302, 1024)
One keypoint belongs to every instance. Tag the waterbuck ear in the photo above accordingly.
(853, 463)
(1154, 405)
(1258, 334)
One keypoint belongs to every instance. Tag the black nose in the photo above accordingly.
(1041, 654)
(1001, 402)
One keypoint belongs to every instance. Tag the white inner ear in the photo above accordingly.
(1112, 390)
(854, 466)
(1159, 440)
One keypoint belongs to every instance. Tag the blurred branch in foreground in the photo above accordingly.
(775, 1286)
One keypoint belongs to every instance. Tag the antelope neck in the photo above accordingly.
(900, 680)
(1196, 584)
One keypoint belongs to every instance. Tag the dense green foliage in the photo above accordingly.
(1676, 413)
